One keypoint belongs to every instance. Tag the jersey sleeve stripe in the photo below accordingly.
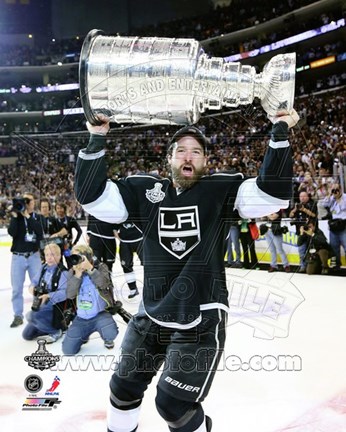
(251, 202)
(109, 207)
(279, 144)
(90, 156)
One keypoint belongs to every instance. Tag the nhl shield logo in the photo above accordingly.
(179, 230)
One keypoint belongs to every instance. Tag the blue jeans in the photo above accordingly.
(336, 240)
(233, 239)
(80, 330)
(19, 266)
(302, 252)
(275, 244)
(40, 322)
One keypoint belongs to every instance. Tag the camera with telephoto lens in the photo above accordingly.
(117, 308)
(76, 259)
(69, 315)
(19, 204)
(283, 229)
(38, 291)
(299, 206)
(305, 227)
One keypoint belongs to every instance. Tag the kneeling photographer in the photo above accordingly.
(318, 250)
(46, 319)
(89, 281)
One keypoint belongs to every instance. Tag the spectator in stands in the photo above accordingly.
(25, 228)
(46, 318)
(308, 185)
(324, 181)
(336, 202)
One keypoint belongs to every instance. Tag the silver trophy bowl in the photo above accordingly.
(172, 81)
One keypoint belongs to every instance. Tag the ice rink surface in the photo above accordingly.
(283, 368)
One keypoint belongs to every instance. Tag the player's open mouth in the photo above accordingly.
(187, 170)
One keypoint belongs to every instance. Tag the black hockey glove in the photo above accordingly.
(96, 144)
(279, 131)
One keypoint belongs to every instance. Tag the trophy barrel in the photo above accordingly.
(138, 80)
(172, 81)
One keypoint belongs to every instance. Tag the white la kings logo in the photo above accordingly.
(155, 194)
(179, 230)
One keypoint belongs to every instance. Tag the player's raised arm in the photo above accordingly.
(98, 195)
(272, 189)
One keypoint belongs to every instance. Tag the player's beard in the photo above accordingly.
(186, 182)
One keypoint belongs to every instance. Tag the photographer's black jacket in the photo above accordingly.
(301, 218)
(70, 223)
(183, 233)
(317, 241)
(50, 225)
(18, 228)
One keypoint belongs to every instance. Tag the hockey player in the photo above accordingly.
(130, 237)
(102, 240)
(182, 317)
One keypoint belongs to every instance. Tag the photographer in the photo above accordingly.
(317, 247)
(66, 225)
(90, 283)
(303, 210)
(49, 290)
(273, 233)
(336, 202)
(25, 228)
(50, 225)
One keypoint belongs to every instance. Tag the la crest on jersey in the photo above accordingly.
(179, 229)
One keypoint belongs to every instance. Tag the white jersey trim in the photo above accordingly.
(278, 144)
(149, 176)
(251, 202)
(209, 306)
(217, 349)
(99, 235)
(175, 325)
(131, 241)
(90, 156)
(110, 206)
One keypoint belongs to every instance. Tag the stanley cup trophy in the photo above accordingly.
(172, 81)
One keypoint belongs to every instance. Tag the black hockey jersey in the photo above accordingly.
(183, 233)
(99, 228)
(129, 232)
